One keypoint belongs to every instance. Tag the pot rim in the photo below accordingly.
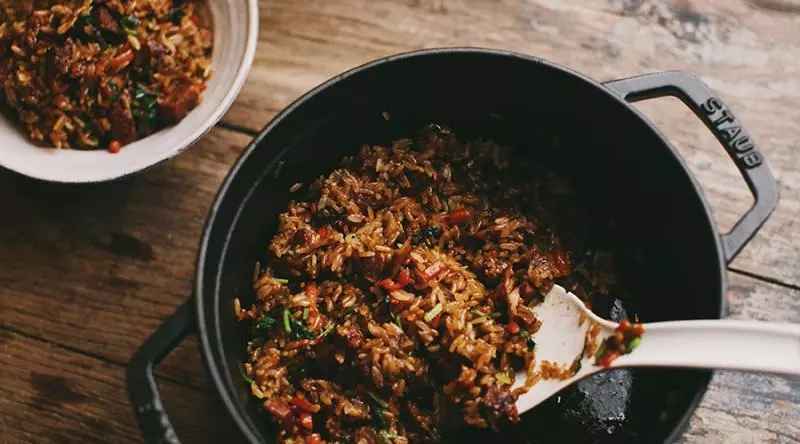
(211, 350)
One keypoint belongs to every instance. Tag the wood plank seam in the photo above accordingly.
(91, 355)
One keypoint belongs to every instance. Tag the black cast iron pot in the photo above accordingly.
(629, 176)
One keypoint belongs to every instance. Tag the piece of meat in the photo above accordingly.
(364, 435)
(542, 269)
(280, 410)
(106, 20)
(352, 335)
(123, 127)
(180, 101)
(372, 267)
(301, 238)
(61, 56)
(151, 53)
(500, 405)
(490, 266)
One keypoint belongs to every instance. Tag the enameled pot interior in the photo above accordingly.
(640, 197)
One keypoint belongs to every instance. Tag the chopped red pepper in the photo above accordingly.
(608, 358)
(433, 270)
(322, 232)
(624, 325)
(279, 409)
(115, 146)
(512, 327)
(119, 61)
(306, 421)
(304, 405)
(457, 216)
(314, 438)
(404, 278)
(638, 329)
(195, 19)
(389, 284)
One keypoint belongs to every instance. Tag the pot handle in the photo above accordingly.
(142, 390)
(730, 133)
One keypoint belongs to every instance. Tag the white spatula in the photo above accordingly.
(746, 346)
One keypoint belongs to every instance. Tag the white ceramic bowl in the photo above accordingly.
(235, 25)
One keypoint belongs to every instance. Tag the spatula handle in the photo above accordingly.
(719, 344)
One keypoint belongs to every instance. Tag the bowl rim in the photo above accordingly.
(211, 347)
(192, 137)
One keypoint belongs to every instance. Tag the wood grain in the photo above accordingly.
(745, 50)
(744, 408)
(51, 395)
(98, 268)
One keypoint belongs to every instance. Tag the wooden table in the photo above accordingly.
(88, 272)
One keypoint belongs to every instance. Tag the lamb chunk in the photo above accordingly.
(61, 56)
(180, 101)
(106, 20)
(152, 52)
(123, 127)
(372, 267)
(364, 435)
(500, 405)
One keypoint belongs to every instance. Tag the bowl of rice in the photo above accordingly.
(95, 90)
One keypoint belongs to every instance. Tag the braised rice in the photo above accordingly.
(99, 74)
(395, 301)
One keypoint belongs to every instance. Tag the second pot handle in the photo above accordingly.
(141, 383)
(730, 133)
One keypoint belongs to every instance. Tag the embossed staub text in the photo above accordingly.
(728, 129)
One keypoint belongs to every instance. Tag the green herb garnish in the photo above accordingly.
(115, 91)
(247, 379)
(145, 111)
(84, 20)
(299, 329)
(528, 339)
(266, 323)
(305, 313)
(377, 414)
(281, 281)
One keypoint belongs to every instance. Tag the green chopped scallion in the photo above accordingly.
(305, 313)
(378, 400)
(130, 21)
(281, 281)
(601, 350)
(286, 324)
(387, 436)
(633, 344)
(433, 312)
(396, 319)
